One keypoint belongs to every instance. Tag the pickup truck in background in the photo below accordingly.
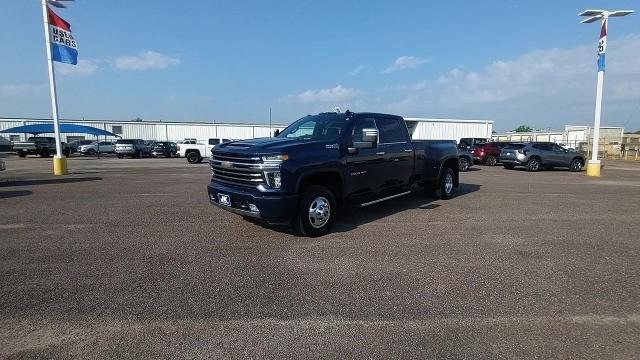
(328, 161)
(42, 146)
(195, 152)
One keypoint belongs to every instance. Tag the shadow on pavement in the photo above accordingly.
(351, 218)
(17, 193)
(48, 181)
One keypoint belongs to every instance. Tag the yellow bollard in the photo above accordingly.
(60, 165)
(593, 168)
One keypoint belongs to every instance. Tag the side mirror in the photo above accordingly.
(369, 139)
(276, 133)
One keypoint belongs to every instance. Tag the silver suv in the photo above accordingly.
(537, 155)
(132, 147)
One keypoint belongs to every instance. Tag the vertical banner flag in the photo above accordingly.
(64, 48)
(602, 45)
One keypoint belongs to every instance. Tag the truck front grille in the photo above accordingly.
(237, 169)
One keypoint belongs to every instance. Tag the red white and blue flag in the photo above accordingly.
(602, 46)
(64, 47)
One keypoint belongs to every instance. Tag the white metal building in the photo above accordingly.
(420, 128)
(448, 129)
(153, 130)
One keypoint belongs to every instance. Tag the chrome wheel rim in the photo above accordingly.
(577, 165)
(492, 161)
(463, 164)
(448, 183)
(319, 212)
(534, 165)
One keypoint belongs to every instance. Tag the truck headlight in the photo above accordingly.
(274, 179)
(275, 158)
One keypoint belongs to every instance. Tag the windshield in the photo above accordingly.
(316, 127)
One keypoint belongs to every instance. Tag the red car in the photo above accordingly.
(489, 153)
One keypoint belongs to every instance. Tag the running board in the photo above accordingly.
(385, 199)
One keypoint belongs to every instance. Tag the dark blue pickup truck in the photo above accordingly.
(328, 161)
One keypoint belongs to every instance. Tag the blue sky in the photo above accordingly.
(514, 62)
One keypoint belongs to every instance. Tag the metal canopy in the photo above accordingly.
(64, 128)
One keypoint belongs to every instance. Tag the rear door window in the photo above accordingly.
(543, 147)
(390, 131)
(362, 123)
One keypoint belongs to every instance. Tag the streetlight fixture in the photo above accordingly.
(593, 166)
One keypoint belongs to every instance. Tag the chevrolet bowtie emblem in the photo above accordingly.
(227, 164)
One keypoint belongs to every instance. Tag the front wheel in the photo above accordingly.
(91, 152)
(316, 211)
(120, 156)
(576, 165)
(22, 154)
(445, 187)
(463, 164)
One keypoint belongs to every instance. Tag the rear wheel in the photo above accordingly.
(491, 160)
(193, 157)
(316, 211)
(445, 187)
(22, 154)
(45, 153)
(463, 164)
(576, 165)
(533, 165)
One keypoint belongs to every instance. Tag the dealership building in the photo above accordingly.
(421, 128)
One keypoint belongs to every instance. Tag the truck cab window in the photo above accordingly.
(390, 131)
(362, 123)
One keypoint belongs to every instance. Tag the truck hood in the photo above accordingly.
(272, 145)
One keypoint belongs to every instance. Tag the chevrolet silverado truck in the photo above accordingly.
(328, 161)
(39, 145)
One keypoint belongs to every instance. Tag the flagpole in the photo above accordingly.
(59, 161)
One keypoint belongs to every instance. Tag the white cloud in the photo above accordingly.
(332, 95)
(146, 61)
(358, 70)
(405, 63)
(549, 87)
(83, 68)
(18, 89)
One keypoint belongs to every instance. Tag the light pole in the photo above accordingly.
(593, 166)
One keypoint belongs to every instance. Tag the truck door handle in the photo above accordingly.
(380, 153)
(408, 150)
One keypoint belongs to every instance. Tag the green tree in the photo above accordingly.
(523, 128)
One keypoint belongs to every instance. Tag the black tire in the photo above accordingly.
(576, 165)
(66, 152)
(491, 160)
(444, 189)
(91, 152)
(120, 156)
(509, 166)
(534, 164)
(137, 154)
(45, 153)
(193, 157)
(317, 211)
(22, 154)
(463, 164)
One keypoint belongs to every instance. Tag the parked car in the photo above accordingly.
(3, 165)
(195, 152)
(324, 161)
(465, 159)
(164, 148)
(42, 146)
(75, 144)
(471, 143)
(537, 155)
(96, 147)
(132, 147)
(489, 153)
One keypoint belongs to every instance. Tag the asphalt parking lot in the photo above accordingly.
(127, 259)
